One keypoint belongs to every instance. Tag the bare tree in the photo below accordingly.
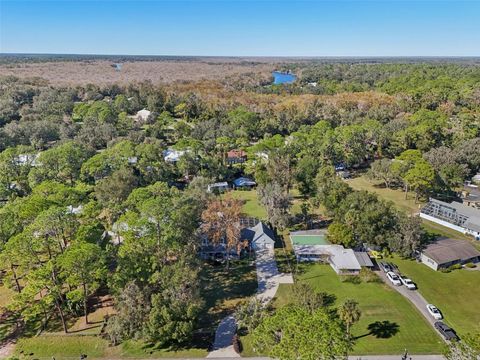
(221, 223)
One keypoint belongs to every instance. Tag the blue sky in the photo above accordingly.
(242, 28)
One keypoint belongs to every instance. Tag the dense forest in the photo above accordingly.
(89, 203)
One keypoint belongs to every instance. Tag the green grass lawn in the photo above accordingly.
(62, 347)
(457, 294)
(397, 196)
(223, 289)
(439, 230)
(251, 205)
(378, 302)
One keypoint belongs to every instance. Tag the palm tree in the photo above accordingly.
(349, 313)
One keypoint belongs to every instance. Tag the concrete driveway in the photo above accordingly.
(268, 279)
(415, 298)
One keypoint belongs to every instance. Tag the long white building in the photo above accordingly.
(454, 215)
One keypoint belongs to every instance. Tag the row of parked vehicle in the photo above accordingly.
(394, 276)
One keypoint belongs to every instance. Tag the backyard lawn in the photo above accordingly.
(402, 326)
(396, 196)
(251, 205)
(457, 294)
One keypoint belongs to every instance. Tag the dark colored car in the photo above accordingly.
(385, 267)
(447, 332)
(393, 266)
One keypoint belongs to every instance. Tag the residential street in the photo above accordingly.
(414, 297)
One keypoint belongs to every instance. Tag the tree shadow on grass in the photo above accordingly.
(381, 329)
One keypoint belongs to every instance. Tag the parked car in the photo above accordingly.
(408, 283)
(385, 267)
(394, 278)
(393, 266)
(432, 310)
(447, 332)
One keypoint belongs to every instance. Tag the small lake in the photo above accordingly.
(283, 78)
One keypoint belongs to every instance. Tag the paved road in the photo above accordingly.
(415, 298)
(268, 279)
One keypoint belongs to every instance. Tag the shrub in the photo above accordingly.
(368, 276)
(471, 265)
(455, 267)
(354, 279)
(445, 270)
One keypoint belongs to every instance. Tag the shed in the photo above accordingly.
(220, 187)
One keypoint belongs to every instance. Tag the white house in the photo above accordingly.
(142, 115)
(220, 187)
(454, 215)
(172, 156)
(343, 261)
(476, 179)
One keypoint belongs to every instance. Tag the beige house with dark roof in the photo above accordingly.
(447, 252)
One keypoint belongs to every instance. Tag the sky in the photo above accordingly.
(242, 28)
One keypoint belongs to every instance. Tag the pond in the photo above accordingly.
(283, 78)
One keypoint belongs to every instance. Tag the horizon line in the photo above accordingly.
(244, 56)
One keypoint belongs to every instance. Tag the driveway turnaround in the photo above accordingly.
(268, 279)
(415, 298)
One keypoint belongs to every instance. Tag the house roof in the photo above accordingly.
(219, 184)
(363, 258)
(260, 233)
(471, 193)
(447, 250)
(173, 155)
(340, 257)
(344, 259)
(243, 181)
(236, 154)
(473, 215)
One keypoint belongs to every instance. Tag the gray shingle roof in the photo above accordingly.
(448, 250)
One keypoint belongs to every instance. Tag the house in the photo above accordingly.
(260, 237)
(236, 157)
(243, 182)
(454, 215)
(172, 156)
(142, 115)
(470, 195)
(447, 252)
(344, 174)
(27, 159)
(312, 245)
(218, 187)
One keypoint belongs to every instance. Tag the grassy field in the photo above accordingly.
(62, 347)
(457, 294)
(251, 205)
(378, 302)
(408, 205)
(397, 196)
